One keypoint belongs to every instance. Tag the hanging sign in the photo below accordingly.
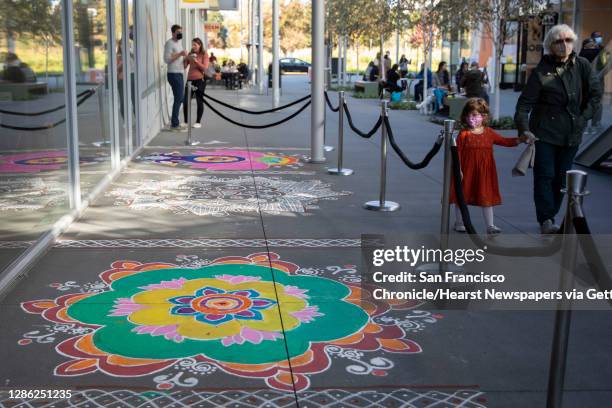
(195, 4)
(212, 27)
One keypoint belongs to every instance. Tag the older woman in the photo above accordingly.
(560, 96)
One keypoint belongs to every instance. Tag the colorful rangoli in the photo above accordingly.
(224, 160)
(33, 162)
(182, 322)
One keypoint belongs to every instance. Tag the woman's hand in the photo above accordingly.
(528, 138)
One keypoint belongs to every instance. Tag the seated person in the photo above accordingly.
(243, 73)
(418, 88)
(393, 77)
(373, 76)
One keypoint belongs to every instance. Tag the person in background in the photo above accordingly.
(173, 56)
(387, 62)
(392, 79)
(441, 84)
(213, 58)
(373, 73)
(17, 71)
(463, 68)
(479, 173)
(474, 82)
(418, 88)
(403, 66)
(197, 62)
(560, 96)
(243, 71)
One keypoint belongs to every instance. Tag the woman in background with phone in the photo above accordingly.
(197, 61)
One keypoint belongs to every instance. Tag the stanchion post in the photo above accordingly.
(576, 183)
(340, 171)
(326, 147)
(449, 126)
(382, 204)
(189, 142)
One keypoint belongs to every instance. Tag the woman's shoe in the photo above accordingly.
(197, 125)
(493, 230)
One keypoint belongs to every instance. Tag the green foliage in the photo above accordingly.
(504, 122)
(403, 105)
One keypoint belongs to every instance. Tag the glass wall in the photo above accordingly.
(33, 139)
(90, 33)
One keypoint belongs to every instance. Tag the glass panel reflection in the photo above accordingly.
(33, 154)
(91, 65)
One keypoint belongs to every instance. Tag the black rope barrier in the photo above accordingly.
(250, 112)
(359, 132)
(293, 115)
(591, 254)
(414, 166)
(86, 96)
(539, 251)
(5, 112)
(330, 104)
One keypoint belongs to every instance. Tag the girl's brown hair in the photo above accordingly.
(199, 42)
(475, 105)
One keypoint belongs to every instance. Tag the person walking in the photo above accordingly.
(474, 82)
(197, 61)
(560, 96)
(479, 174)
(174, 56)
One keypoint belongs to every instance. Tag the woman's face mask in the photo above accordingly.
(598, 40)
(474, 120)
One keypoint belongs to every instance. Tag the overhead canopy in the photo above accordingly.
(214, 5)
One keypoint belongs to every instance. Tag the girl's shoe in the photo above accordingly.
(459, 227)
(197, 125)
(493, 230)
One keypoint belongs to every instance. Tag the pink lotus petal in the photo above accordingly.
(125, 307)
(173, 284)
(297, 292)
(307, 314)
(250, 335)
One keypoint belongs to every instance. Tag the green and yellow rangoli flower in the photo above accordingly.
(227, 312)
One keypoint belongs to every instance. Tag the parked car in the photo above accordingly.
(293, 65)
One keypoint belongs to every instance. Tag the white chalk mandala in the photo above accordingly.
(208, 195)
(24, 193)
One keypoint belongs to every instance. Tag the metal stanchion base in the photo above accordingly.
(377, 205)
(100, 144)
(340, 172)
(188, 143)
(310, 160)
(328, 148)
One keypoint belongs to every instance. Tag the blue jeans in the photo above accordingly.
(177, 85)
(551, 164)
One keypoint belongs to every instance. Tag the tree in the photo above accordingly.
(29, 19)
(495, 14)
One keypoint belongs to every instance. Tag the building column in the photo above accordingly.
(317, 108)
(275, 54)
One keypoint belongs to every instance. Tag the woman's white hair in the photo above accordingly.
(555, 33)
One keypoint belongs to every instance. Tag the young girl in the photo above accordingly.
(479, 176)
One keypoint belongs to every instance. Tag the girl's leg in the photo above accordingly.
(186, 103)
(459, 226)
(200, 104)
(487, 213)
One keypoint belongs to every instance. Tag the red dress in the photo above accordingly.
(480, 185)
